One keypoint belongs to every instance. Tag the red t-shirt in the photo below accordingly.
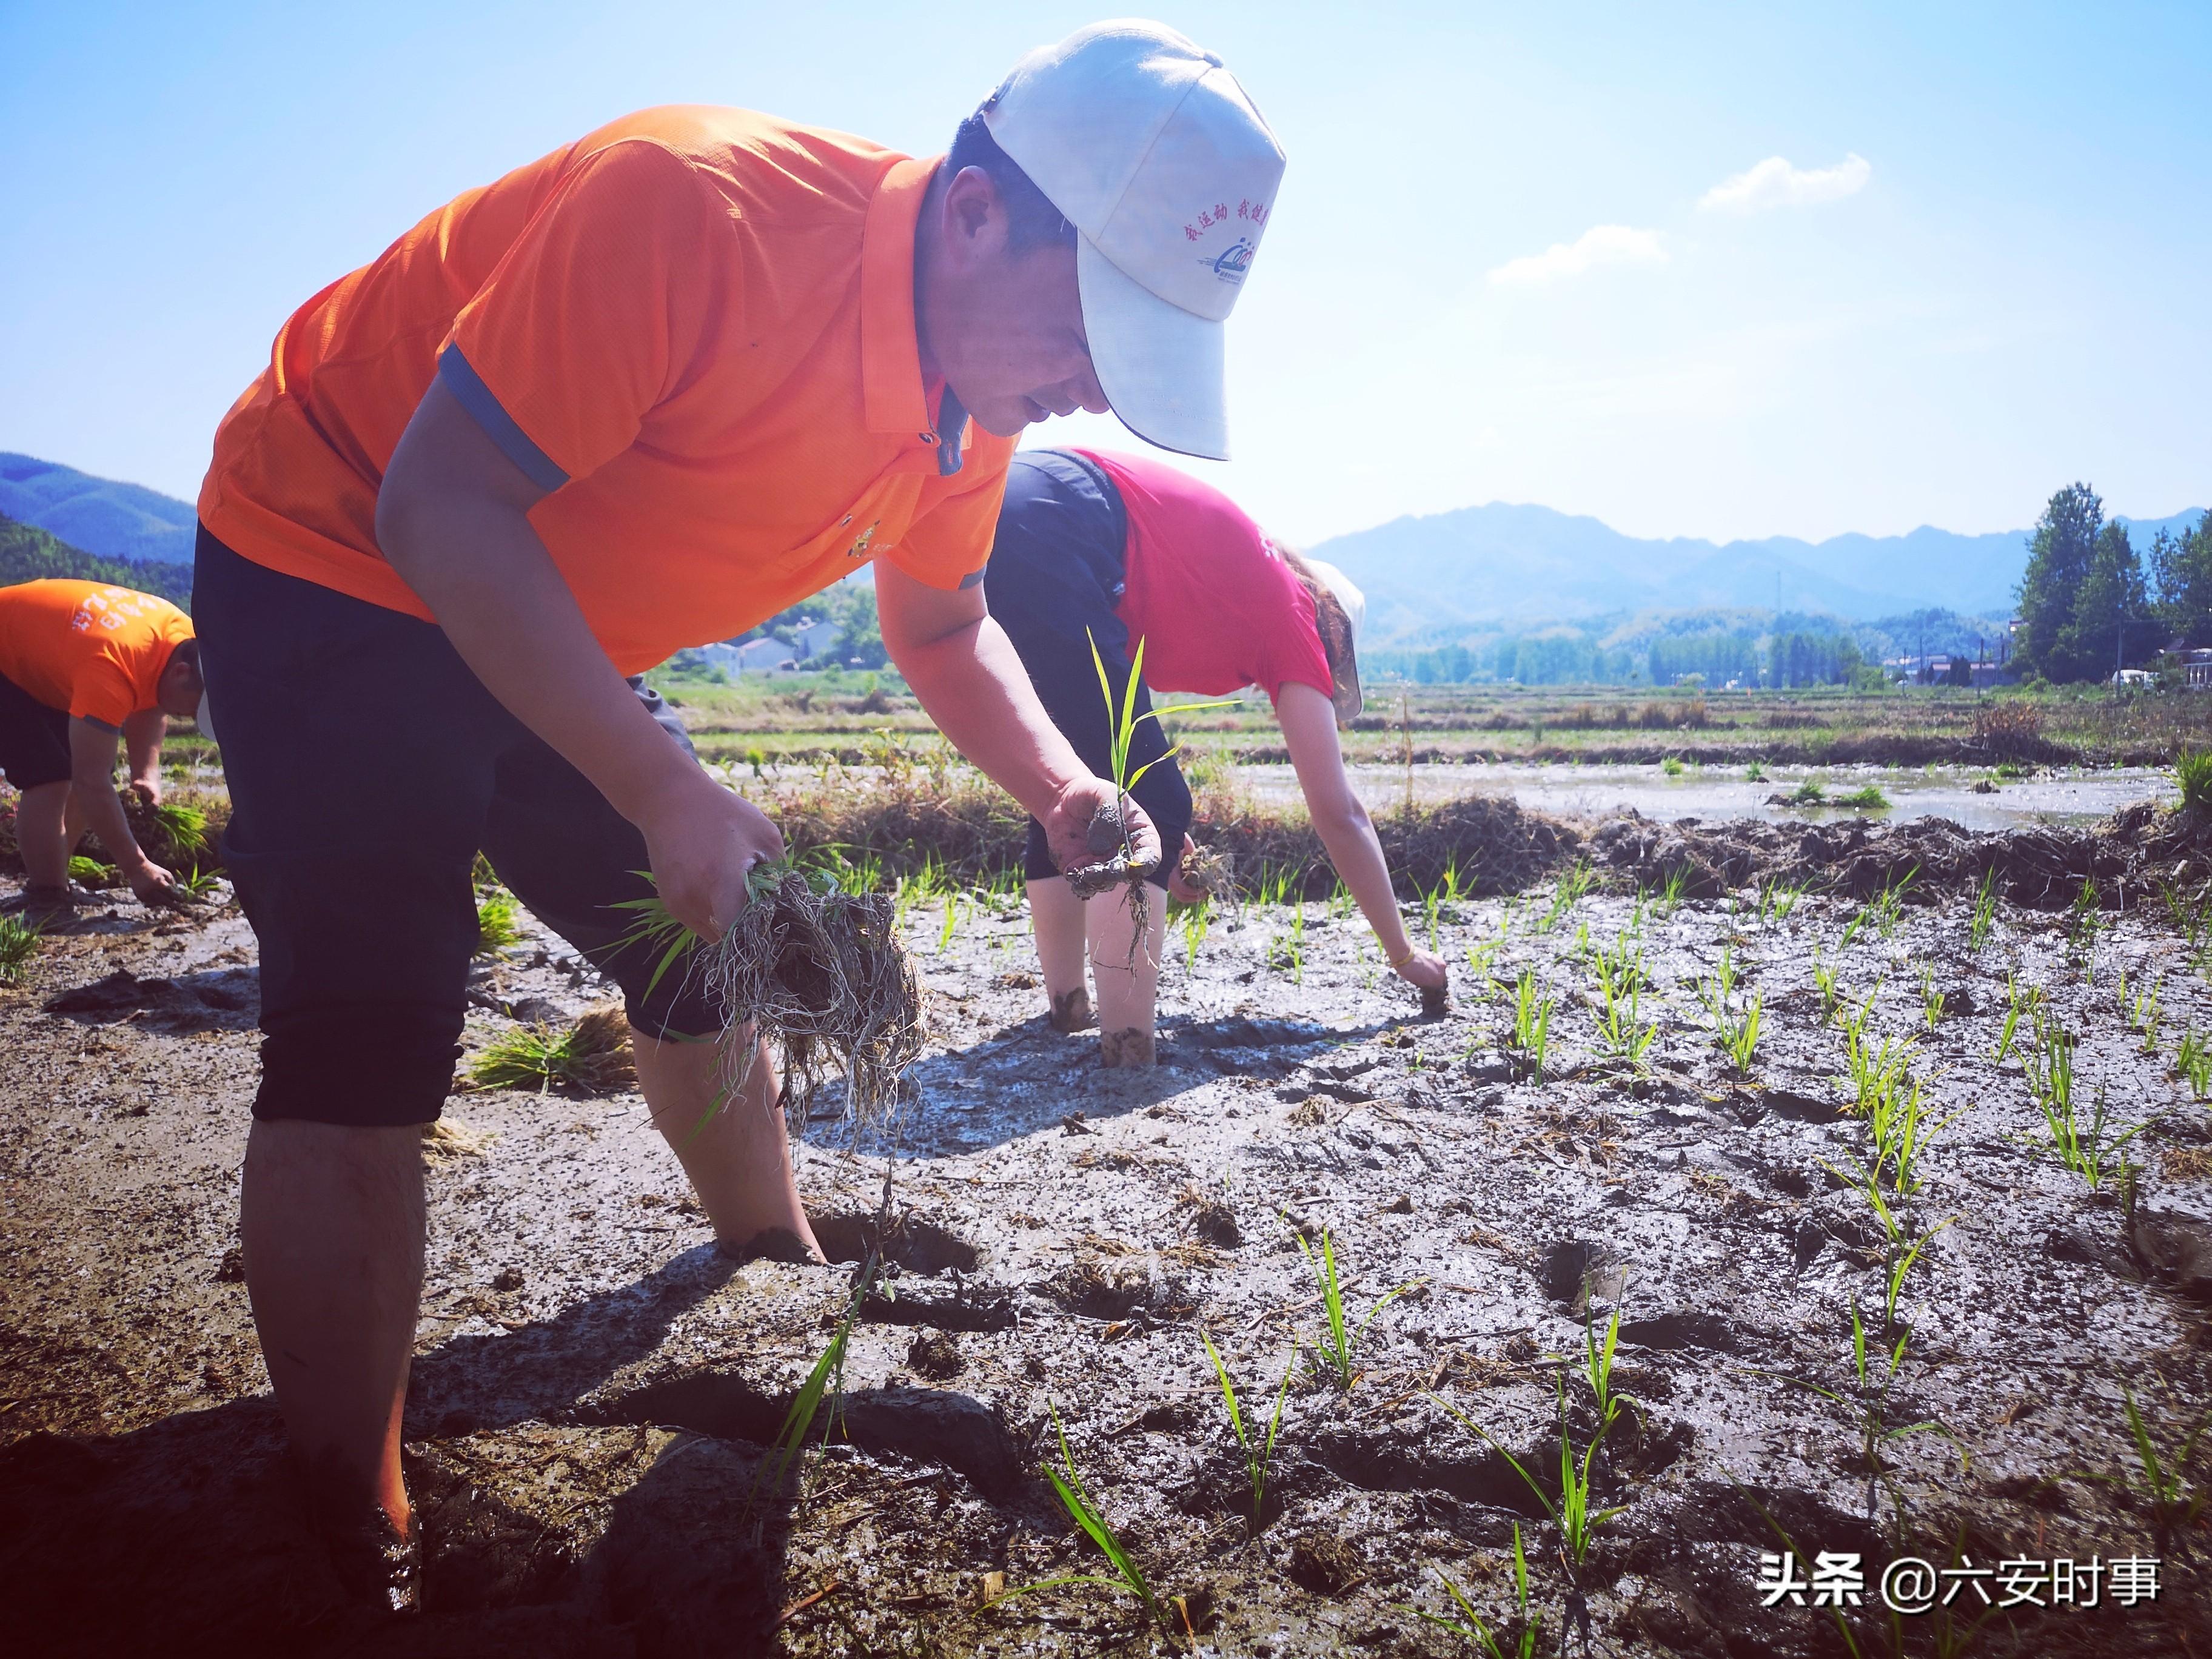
(1215, 604)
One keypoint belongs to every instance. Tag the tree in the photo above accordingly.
(2182, 566)
(2060, 553)
(2112, 599)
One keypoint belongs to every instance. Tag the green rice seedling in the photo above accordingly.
(591, 1055)
(2192, 918)
(1287, 953)
(499, 923)
(1873, 1373)
(1574, 883)
(1901, 1131)
(19, 944)
(1620, 981)
(1581, 947)
(1874, 1071)
(1340, 1338)
(196, 883)
(1577, 1522)
(2018, 1001)
(1256, 1458)
(1985, 912)
(1824, 981)
(2086, 1149)
(1755, 772)
(2192, 1063)
(1432, 902)
(185, 826)
(1671, 766)
(1777, 898)
(2192, 775)
(1482, 962)
(2176, 1502)
(950, 924)
(89, 872)
(1932, 1000)
(1808, 794)
(826, 1380)
(2144, 1015)
(1077, 1501)
(1867, 797)
(1739, 1039)
(2085, 921)
(1193, 920)
(1889, 904)
(1597, 1371)
(1532, 1021)
(1670, 896)
(1469, 1626)
(1851, 928)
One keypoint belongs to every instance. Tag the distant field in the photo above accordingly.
(807, 718)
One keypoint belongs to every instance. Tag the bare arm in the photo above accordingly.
(1340, 819)
(92, 775)
(453, 519)
(964, 670)
(142, 743)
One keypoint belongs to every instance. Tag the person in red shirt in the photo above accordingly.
(1110, 550)
(637, 395)
(86, 667)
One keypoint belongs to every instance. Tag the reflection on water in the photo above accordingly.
(2067, 795)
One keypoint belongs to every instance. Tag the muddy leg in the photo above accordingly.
(1057, 916)
(1128, 971)
(41, 815)
(332, 1221)
(739, 1162)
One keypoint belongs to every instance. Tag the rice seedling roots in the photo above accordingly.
(823, 975)
(595, 1385)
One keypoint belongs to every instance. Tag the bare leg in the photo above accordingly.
(1057, 916)
(41, 814)
(1128, 972)
(734, 1150)
(332, 1222)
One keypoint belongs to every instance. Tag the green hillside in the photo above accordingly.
(28, 554)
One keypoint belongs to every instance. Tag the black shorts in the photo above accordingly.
(35, 738)
(367, 766)
(1055, 578)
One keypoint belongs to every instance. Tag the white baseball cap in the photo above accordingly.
(1150, 149)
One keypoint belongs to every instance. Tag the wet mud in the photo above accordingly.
(596, 1385)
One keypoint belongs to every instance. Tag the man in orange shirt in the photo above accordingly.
(637, 396)
(85, 666)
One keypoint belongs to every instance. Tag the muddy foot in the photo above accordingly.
(378, 1565)
(1134, 1047)
(1072, 1012)
(773, 1244)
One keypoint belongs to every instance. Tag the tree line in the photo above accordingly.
(28, 554)
(2087, 606)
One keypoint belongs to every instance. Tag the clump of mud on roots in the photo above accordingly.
(1113, 859)
(820, 973)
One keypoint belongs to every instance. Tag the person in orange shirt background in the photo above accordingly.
(636, 396)
(86, 667)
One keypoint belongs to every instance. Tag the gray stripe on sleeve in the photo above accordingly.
(468, 390)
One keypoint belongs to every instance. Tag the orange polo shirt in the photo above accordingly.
(695, 327)
(94, 650)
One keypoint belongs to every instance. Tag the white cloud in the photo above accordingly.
(1774, 183)
(1600, 245)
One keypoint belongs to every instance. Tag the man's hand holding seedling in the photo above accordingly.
(702, 844)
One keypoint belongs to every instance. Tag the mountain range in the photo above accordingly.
(1435, 578)
(1429, 578)
(114, 520)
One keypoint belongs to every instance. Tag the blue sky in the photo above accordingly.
(1969, 264)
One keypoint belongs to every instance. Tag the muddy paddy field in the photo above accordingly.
(596, 1385)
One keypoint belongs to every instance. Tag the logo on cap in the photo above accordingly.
(1234, 261)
